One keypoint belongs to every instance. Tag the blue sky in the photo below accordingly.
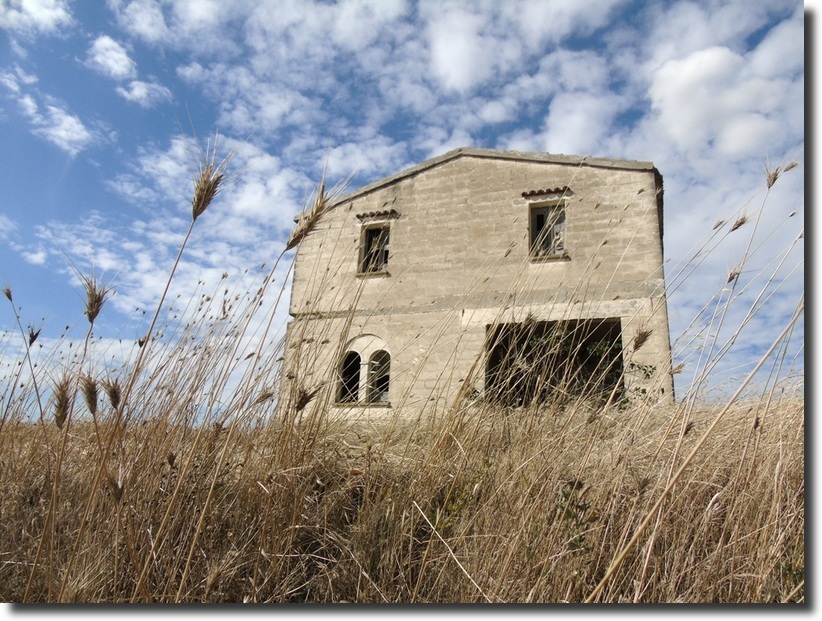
(99, 102)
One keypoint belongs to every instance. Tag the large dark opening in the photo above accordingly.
(537, 361)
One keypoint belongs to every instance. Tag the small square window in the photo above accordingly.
(547, 223)
(374, 251)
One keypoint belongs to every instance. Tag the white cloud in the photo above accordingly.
(259, 191)
(371, 157)
(496, 112)
(146, 94)
(131, 188)
(234, 237)
(182, 24)
(49, 119)
(250, 103)
(684, 94)
(7, 227)
(142, 17)
(746, 133)
(435, 140)
(473, 43)
(17, 80)
(199, 14)
(358, 24)
(566, 70)
(36, 257)
(538, 22)
(709, 100)
(110, 58)
(781, 52)
(29, 107)
(578, 122)
(64, 130)
(265, 192)
(58, 126)
(10, 82)
(28, 16)
(684, 27)
(460, 57)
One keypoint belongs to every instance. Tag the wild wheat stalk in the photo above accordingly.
(210, 176)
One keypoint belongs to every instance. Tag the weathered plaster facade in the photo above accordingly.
(452, 251)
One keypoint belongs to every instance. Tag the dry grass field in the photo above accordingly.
(170, 480)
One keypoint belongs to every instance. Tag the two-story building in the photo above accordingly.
(484, 275)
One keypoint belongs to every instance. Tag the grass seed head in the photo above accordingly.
(641, 337)
(7, 293)
(116, 488)
(62, 401)
(319, 205)
(304, 397)
(209, 180)
(740, 222)
(89, 388)
(113, 391)
(771, 176)
(206, 186)
(95, 297)
(33, 334)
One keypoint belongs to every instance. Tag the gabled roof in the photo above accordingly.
(523, 156)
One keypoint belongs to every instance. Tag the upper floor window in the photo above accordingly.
(547, 229)
(374, 250)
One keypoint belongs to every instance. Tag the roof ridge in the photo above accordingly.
(532, 156)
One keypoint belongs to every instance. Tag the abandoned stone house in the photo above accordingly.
(484, 275)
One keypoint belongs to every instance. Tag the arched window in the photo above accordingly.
(379, 376)
(350, 378)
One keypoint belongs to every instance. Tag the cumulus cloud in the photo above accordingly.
(537, 22)
(7, 227)
(110, 58)
(710, 100)
(146, 94)
(242, 230)
(142, 17)
(472, 43)
(460, 57)
(198, 25)
(30, 16)
(368, 157)
(578, 122)
(49, 118)
(262, 191)
(248, 102)
(359, 24)
(58, 126)
(35, 257)
(781, 52)
(17, 79)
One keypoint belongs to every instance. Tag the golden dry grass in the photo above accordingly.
(523, 507)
